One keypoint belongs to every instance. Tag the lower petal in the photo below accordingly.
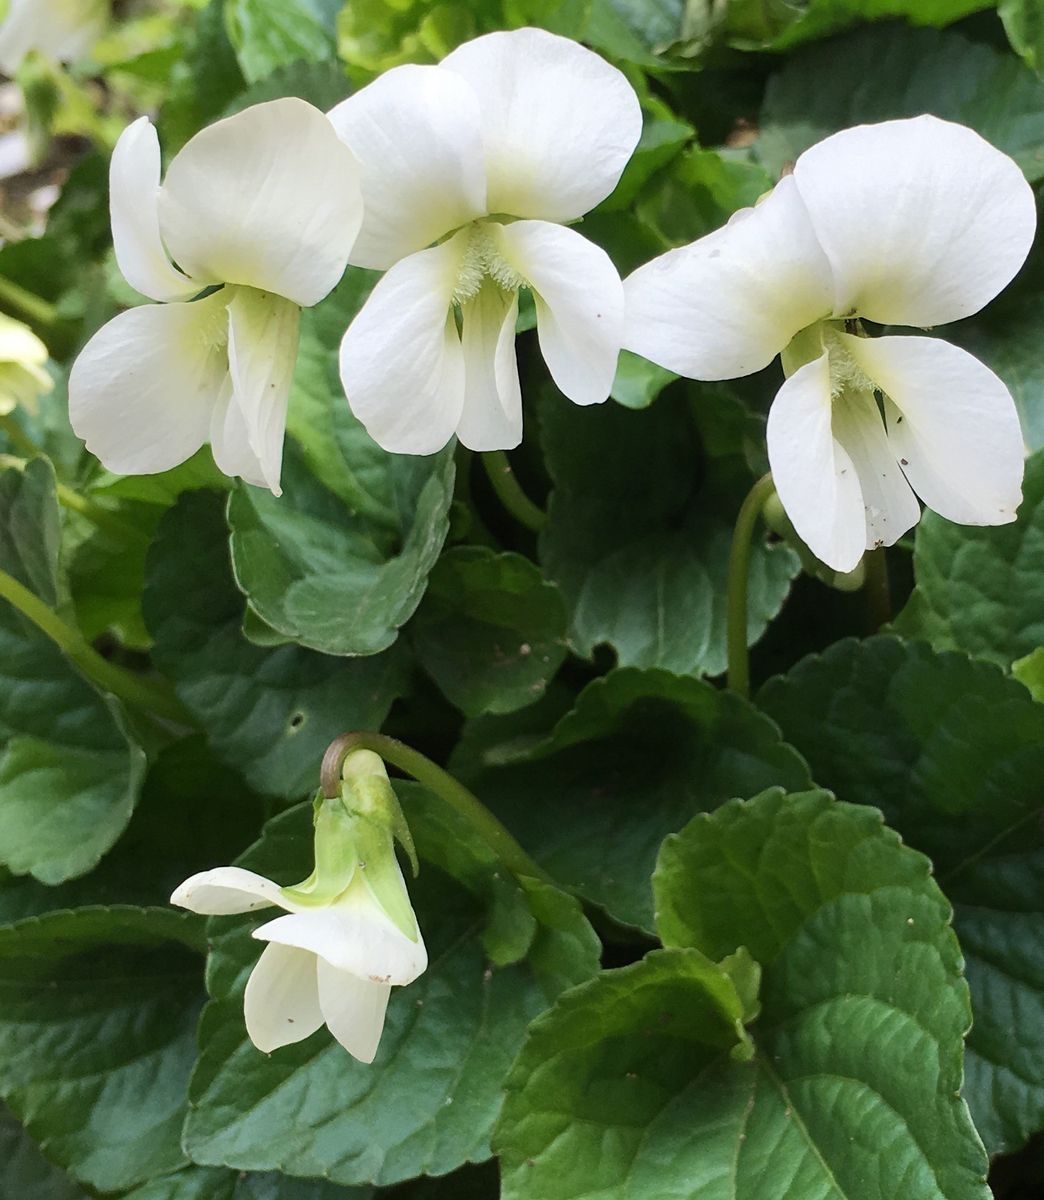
(890, 506)
(353, 1010)
(142, 389)
(281, 1002)
(230, 439)
(262, 353)
(814, 476)
(579, 303)
(401, 362)
(952, 424)
(492, 415)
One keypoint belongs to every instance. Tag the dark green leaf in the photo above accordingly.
(24, 1172)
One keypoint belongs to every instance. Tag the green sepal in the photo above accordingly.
(336, 856)
(367, 791)
(378, 866)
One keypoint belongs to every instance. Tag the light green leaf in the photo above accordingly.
(1024, 24)
(980, 589)
(69, 770)
(632, 1085)
(1029, 671)
(640, 753)
(269, 713)
(953, 752)
(428, 1102)
(267, 36)
(97, 1037)
(490, 631)
(903, 73)
(638, 534)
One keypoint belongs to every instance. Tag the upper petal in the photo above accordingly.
(227, 890)
(579, 303)
(262, 353)
(134, 188)
(353, 1010)
(952, 424)
(142, 389)
(269, 198)
(492, 415)
(726, 305)
(359, 939)
(814, 476)
(416, 132)
(923, 221)
(401, 361)
(558, 122)
(281, 1001)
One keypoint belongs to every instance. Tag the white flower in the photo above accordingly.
(63, 30)
(328, 963)
(265, 205)
(916, 222)
(470, 170)
(23, 358)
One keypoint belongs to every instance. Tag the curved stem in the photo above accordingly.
(36, 308)
(17, 436)
(139, 692)
(509, 491)
(437, 781)
(877, 588)
(739, 576)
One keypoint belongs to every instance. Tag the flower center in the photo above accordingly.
(482, 260)
(846, 375)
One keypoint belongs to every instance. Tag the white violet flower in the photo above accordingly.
(63, 30)
(333, 963)
(259, 212)
(915, 222)
(470, 172)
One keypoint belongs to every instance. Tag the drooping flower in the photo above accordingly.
(915, 222)
(258, 212)
(63, 30)
(470, 172)
(349, 933)
(23, 358)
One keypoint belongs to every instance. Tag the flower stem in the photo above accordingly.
(877, 588)
(509, 491)
(125, 685)
(437, 781)
(738, 578)
(38, 310)
(17, 436)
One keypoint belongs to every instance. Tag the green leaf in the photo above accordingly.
(97, 1037)
(269, 713)
(638, 537)
(428, 1102)
(953, 752)
(816, 19)
(69, 770)
(24, 1172)
(980, 589)
(1029, 671)
(632, 1085)
(640, 753)
(490, 631)
(1024, 25)
(903, 73)
(209, 1183)
(267, 36)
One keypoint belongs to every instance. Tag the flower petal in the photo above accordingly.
(230, 439)
(262, 354)
(226, 890)
(492, 416)
(416, 132)
(923, 221)
(728, 304)
(142, 389)
(814, 476)
(889, 505)
(401, 362)
(357, 938)
(952, 424)
(353, 1010)
(579, 304)
(558, 122)
(134, 189)
(268, 198)
(281, 1001)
